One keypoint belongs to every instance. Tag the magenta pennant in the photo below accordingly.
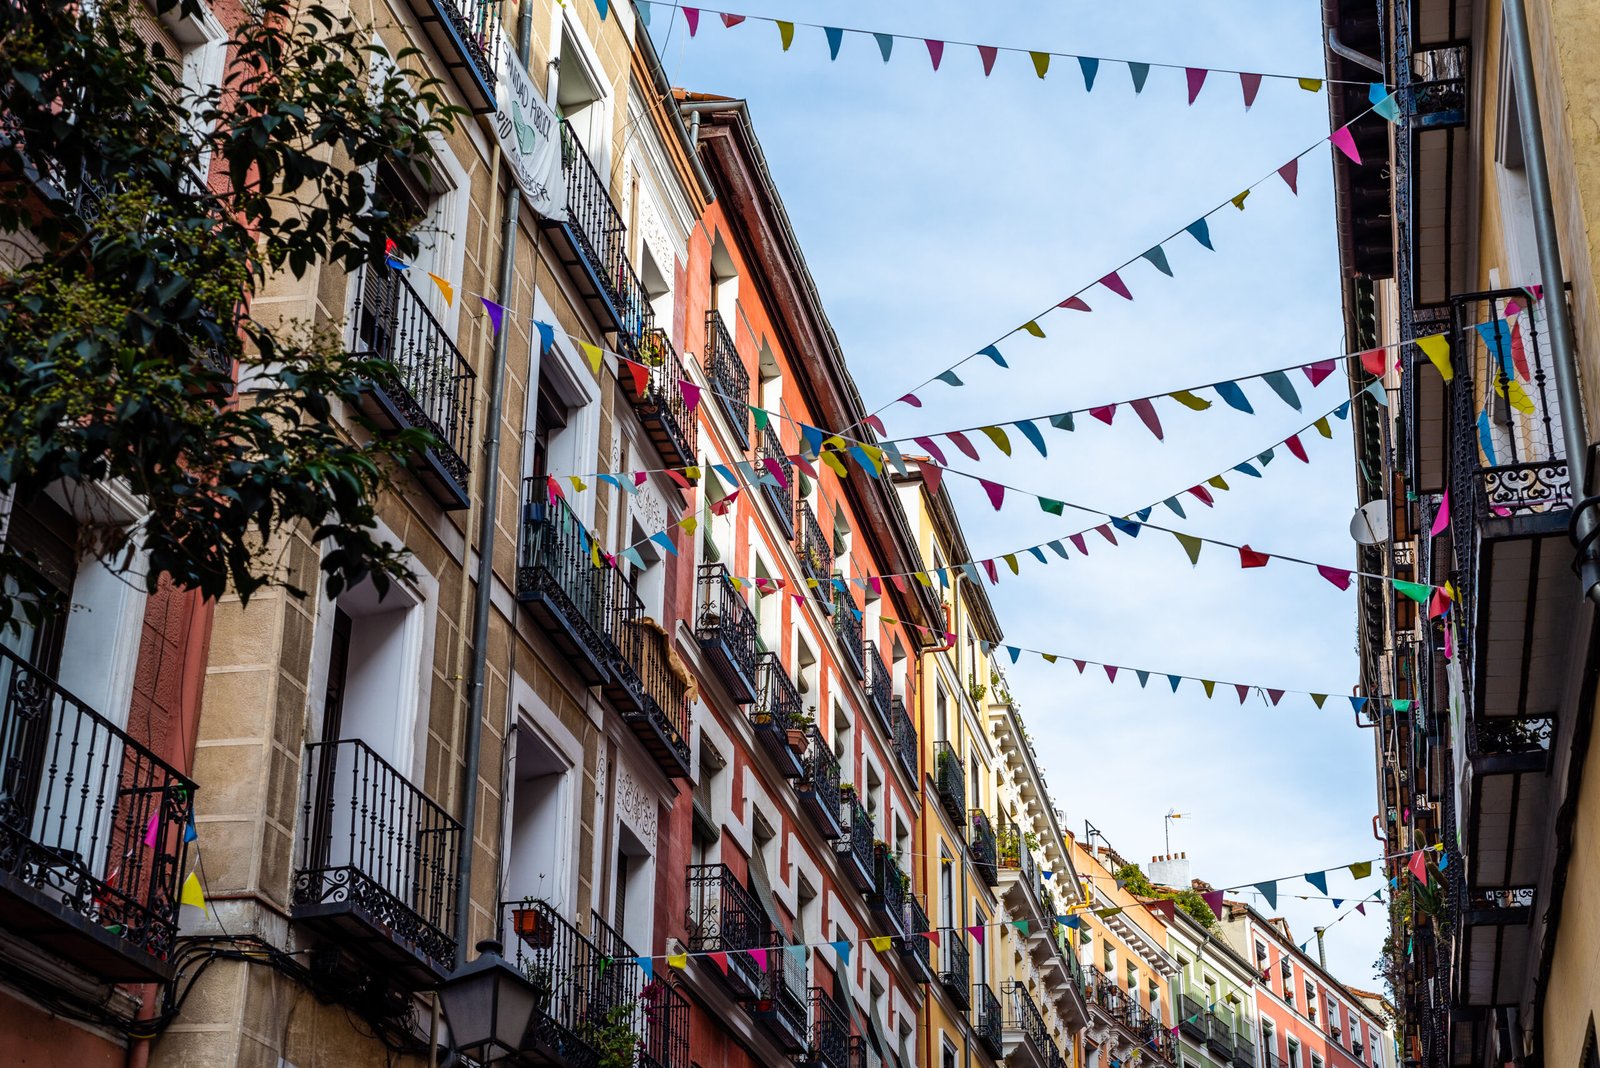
(935, 51)
(1105, 414)
(996, 492)
(152, 833)
(691, 15)
(960, 441)
(1251, 84)
(691, 393)
(1345, 142)
(1146, 411)
(1111, 672)
(994, 572)
(875, 423)
(1197, 78)
(1441, 521)
(1080, 664)
(988, 53)
(497, 312)
(911, 399)
(1104, 530)
(933, 450)
(1290, 173)
(1316, 372)
(760, 957)
(1295, 446)
(1244, 691)
(1113, 282)
(1275, 696)
(1074, 304)
(976, 931)
(1338, 576)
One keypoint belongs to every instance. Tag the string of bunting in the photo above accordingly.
(1383, 103)
(1088, 66)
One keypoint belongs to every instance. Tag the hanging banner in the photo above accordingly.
(530, 136)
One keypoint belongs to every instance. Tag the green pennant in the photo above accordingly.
(1417, 591)
(1053, 507)
(1021, 925)
(761, 416)
(1191, 545)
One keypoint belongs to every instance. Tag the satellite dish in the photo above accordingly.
(1370, 524)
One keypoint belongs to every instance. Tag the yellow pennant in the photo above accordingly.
(1311, 85)
(1239, 200)
(446, 288)
(1190, 401)
(998, 436)
(922, 578)
(1032, 326)
(836, 464)
(1324, 427)
(881, 943)
(578, 484)
(1437, 349)
(594, 354)
(1011, 561)
(689, 523)
(678, 960)
(1217, 482)
(594, 554)
(193, 893)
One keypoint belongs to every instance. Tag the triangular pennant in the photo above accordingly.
(949, 378)
(497, 312)
(1417, 591)
(885, 44)
(1158, 258)
(785, 33)
(1176, 506)
(962, 442)
(730, 20)
(1113, 282)
(881, 943)
(192, 893)
(1361, 869)
(1290, 173)
(1239, 199)
(1375, 361)
(1174, 680)
(935, 51)
(1249, 84)
(1343, 140)
(1338, 576)
(1041, 62)
(1242, 690)
(1146, 412)
(1196, 77)
(1191, 546)
(1033, 435)
(1053, 507)
(1209, 686)
(1437, 349)
(691, 15)
(994, 354)
(1234, 396)
(1294, 445)
(1311, 85)
(1139, 72)
(996, 492)
(1279, 381)
(1274, 696)
(987, 53)
(1190, 400)
(446, 288)
(835, 39)
(1090, 67)
(1105, 414)
(1200, 230)
(1062, 421)
(998, 437)
(1269, 890)
(1143, 677)
(1383, 101)
(1318, 699)
(1032, 326)
(1075, 304)
(1248, 557)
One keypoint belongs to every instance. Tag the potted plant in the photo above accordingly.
(533, 928)
(976, 690)
(799, 724)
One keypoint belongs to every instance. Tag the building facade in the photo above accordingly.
(1482, 720)
(1213, 996)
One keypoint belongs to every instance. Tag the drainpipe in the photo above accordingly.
(1563, 359)
(486, 540)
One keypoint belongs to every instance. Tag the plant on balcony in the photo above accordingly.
(612, 1037)
(976, 690)
(107, 318)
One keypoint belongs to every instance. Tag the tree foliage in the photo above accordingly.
(1188, 899)
(141, 218)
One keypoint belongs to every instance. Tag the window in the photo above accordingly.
(1316, 1061)
(581, 99)
(1294, 1054)
(1268, 1048)
(1261, 956)
(973, 773)
(539, 851)
(947, 1055)
(947, 899)
(941, 713)
(1133, 979)
(1108, 959)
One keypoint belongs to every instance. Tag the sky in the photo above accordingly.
(937, 211)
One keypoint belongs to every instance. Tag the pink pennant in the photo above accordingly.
(731, 21)
(911, 399)
(1449, 643)
(1146, 410)
(1299, 450)
(1251, 84)
(988, 52)
(1248, 557)
(1519, 355)
(933, 450)
(775, 469)
(1203, 495)
(1074, 304)
(899, 582)
(932, 474)
(805, 465)
(152, 833)
(1105, 414)
(1081, 664)
(1111, 672)
(875, 423)
(959, 440)
(1338, 576)
(1316, 372)
(1441, 522)
(976, 931)
(1373, 362)
(1418, 866)
(1362, 908)
(1077, 540)
(875, 584)
(677, 477)
(996, 492)
(994, 572)
(641, 477)
(691, 393)
(1197, 78)
(759, 955)
(1275, 696)
(935, 51)
(691, 15)
(1113, 282)
(1244, 691)
(1290, 173)
(1346, 143)
(1104, 530)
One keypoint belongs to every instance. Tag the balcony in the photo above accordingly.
(779, 498)
(1244, 1053)
(818, 786)
(987, 1020)
(727, 629)
(557, 580)
(915, 947)
(466, 35)
(981, 844)
(855, 848)
(1432, 198)
(1193, 1022)
(876, 681)
(377, 864)
(92, 832)
(847, 626)
(727, 378)
(1438, 97)
(776, 717)
(830, 1032)
(905, 737)
(571, 988)
(1019, 874)
(955, 967)
(651, 696)
(1027, 1041)
(814, 549)
(890, 889)
(428, 385)
(1219, 1037)
(592, 243)
(725, 918)
(658, 401)
(950, 782)
(781, 1009)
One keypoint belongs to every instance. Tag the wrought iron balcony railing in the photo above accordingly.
(855, 848)
(654, 391)
(1438, 98)
(573, 988)
(955, 966)
(650, 694)
(92, 831)
(377, 857)
(876, 681)
(891, 886)
(950, 781)
(818, 786)
(915, 946)
(1023, 1018)
(784, 1000)
(981, 842)
(557, 580)
(781, 498)
(465, 33)
(847, 626)
(1244, 1053)
(725, 917)
(987, 1020)
(830, 1031)
(905, 736)
(727, 632)
(776, 717)
(728, 379)
(1219, 1036)
(429, 385)
(594, 244)
(1015, 854)
(811, 545)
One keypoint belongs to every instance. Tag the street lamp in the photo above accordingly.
(487, 1005)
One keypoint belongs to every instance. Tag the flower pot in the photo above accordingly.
(532, 928)
(797, 739)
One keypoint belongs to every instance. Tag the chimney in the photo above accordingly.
(1171, 870)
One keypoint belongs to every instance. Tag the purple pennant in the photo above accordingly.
(1114, 282)
(1197, 78)
(691, 15)
(911, 399)
(497, 312)
(935, 51)
(691, 393)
